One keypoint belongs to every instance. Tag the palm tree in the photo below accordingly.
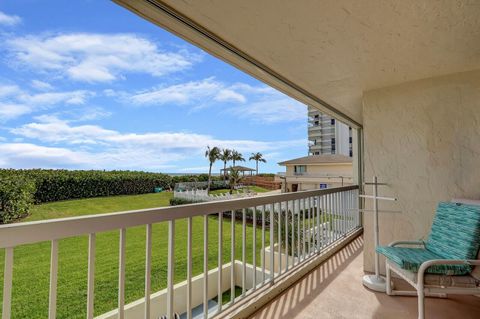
(257, 157)
(212, 154)
(236, 156)
(233, 178)
(225, 156)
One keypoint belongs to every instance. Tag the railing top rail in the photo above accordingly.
(12, 235)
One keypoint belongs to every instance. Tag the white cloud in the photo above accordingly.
(10, 111)
(9, 20)
(228, 95)
(184, 93)
(277, 110)
(15, 102)
(40, 85)
(99, 147)
(92, 57)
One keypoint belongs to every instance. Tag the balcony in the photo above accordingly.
(334, 290)
(260, 244)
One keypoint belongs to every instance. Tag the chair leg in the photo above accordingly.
(421, 301)
(389, 279)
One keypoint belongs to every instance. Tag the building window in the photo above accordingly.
(332, 121)
(350, 139)
(316, 116)
(323, 186)
(300, 169)
(333, 140)
(351, 153)
(316, 123)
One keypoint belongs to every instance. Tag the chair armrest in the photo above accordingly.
(406, 242)
(424, 266)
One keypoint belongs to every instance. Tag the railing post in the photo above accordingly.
(170, 268)
(91, 276)
(272, 247)
(121, 274)
(148, 268)
(52, 303)
(7, 283)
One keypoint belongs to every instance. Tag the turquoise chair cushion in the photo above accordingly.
(411, 259)
(455, 234)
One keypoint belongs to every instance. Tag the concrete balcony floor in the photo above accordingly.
(334, 290)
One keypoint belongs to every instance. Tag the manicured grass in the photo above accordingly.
(255, 189)
(31, 262)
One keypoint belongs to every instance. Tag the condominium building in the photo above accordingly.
(327, 135)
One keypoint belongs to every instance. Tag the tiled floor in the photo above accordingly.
(335, 290)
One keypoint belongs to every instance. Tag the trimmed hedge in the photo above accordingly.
(16, 198)
(180, 201)
(56, 185)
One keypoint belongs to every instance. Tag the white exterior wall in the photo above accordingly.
(423, 139)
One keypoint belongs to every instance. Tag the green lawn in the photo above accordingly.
(31, 262)
(255, 189)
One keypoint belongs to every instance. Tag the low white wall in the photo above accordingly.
(158, 300)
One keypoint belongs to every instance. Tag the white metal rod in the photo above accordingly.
(121, 274)
(378, 197)
(263, 244)
(287, 220)
(189, 268)
(205, 266)
(272, 252)
(279, 237)
(170, 268)
(319, 230)
(148, 268)
(232, 260)
(7, 283)
(254, 244)
(91, 276)
(375, 225)
(244, 252)
(304, 234)
(52, 300)
(299, 240)
(220, 262)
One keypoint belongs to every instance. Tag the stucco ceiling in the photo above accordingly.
(338, 49)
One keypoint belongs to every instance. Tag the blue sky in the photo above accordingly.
(93, 86)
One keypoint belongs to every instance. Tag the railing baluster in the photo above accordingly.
(254, 243)
(232, 259)
(279, 237)
(299, 240)
(220, 261)
(244, 251)
(52, 300)
(205, 266)
(91, 276)
(304, 233)
(272, 252)
(7, 283)
(286, 236)
(121, 274)
(293, 233)
(148, 269)
(170, 268)
(263, 245)
(309, 212)
(330, 219)
(189, 268)
(319, 230)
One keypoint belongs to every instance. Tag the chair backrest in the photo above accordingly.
(455, 232)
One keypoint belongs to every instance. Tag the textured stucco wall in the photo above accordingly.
(423, 138)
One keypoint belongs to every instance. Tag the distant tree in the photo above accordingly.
(257, 157)
(234, 178)
(225, 156)
(212, 154)
(236, 156)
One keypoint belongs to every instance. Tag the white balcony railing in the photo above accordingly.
(295, 227)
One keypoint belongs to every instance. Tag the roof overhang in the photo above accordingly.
(327, 53)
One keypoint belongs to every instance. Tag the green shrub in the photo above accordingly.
(16, 198)
(180, 201)
(56, 185)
